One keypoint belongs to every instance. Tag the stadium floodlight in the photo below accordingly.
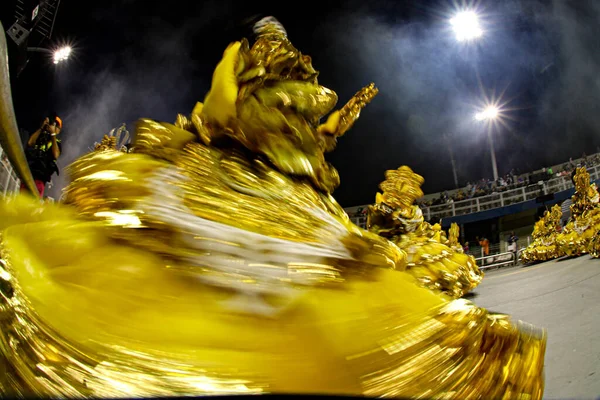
(61, 54)
(466, 26)
(489, 113)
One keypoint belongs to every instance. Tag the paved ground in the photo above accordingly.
(564, 297)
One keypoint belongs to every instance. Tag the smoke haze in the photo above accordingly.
(543, 55)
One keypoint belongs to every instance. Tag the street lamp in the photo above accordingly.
(466, 26)
(490, 114)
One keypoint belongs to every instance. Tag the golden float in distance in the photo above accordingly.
(545, 233)
(577, 235)
(436, 261)
(580, 234)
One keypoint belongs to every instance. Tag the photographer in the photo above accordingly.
(43, 149)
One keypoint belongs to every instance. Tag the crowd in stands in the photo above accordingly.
(479, 188)
(512, 180)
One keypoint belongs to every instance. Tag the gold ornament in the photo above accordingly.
(576, 237)
(579, 235)
(436, 261)
(545, 233)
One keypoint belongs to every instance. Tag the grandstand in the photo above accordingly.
(514, 208)
(524, 192)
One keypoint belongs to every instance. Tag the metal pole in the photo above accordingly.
(493, 153)
(452, 160)
(39, 50)
(10, 140)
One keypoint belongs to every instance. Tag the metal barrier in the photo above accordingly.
(505, 198)
(498, 260)
(496, 200)
(9, 182)
(516, 187)
(10, 140)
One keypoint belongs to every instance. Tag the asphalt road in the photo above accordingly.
(564, 298)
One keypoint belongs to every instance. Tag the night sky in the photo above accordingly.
(138, 58)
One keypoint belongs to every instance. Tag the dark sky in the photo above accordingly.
(138, 58)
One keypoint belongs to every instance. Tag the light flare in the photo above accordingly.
(61, 54)
(466, 26)
(489, 113)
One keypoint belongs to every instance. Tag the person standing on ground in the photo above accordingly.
(485, 245)
(513, 247)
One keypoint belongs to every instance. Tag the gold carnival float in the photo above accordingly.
(576, 237)
(545, 233)
(437, 262)
(213, 259)
(117, 139)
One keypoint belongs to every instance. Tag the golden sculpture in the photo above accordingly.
(545, 233)
(213, 259)
(576, 236)
(579, 236)
(117, 139)
(453, 234)
(437, 262)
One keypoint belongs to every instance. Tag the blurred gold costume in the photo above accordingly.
(213, 259)
(545, 233)
(576, 237)
(437, 262)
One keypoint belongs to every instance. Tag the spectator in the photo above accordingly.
(485, 245)
(513, 243)
(466, 247)
(43, 149)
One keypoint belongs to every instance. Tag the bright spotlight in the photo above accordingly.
(490, 113)
(466, 26)
(61, 54)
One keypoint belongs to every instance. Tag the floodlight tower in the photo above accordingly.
(31, 30)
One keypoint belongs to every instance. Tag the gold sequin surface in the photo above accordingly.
(545, 233)
(438, 262)
(579, 236)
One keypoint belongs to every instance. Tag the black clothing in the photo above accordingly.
(40, 158)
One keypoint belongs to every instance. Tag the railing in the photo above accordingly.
(360, 221)
(494, 200)
(497, 248)
(497, 260)
(525, 177)
(9, 182)
(503, 199)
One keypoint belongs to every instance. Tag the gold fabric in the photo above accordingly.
(438, 262)
(545, 233)
(579, 235)
(213, 259)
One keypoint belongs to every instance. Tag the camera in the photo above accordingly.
(51, 120)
